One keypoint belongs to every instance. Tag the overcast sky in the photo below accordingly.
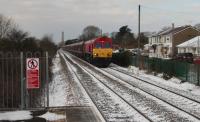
(40, 17)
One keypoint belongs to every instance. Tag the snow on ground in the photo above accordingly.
(52, 116)
(15, 115)
(79, 96)
(26, 115)
(58, 85)
(120, 111)
(169, 97)
(63, 90)
(173, 82)
(115, 51)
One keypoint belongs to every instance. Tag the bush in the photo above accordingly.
(122, 58)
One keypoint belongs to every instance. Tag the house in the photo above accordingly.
(163, 44)
(190, 46)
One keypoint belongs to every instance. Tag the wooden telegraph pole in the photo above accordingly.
(139, 27)
(138, 36)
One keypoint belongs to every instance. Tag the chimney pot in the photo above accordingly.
(172, 25)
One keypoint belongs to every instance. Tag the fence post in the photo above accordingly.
(186, 72)
(47, 77)
(198, 74)
(3, 77)
(148, 65)
(22, 80)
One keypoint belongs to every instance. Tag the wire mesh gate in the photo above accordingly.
(13, 91)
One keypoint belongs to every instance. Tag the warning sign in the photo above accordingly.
(32, 73)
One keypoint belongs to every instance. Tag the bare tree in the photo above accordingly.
(47, 44)
(6, 26)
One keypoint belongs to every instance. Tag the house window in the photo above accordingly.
(165, 40)
(106, 45)
(168, 40)
(160, 39)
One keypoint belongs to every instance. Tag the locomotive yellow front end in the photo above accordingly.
(102, 53)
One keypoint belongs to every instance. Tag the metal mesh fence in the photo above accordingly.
(13, 78)
(182, 70)
(9, 80)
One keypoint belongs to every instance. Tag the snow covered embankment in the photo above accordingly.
(173, 82)
(58, 86)
(64, 89)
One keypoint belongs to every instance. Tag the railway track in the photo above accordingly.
(183, 93)
(151, 107)
(179, 101)
(111, 106)
(75, 97)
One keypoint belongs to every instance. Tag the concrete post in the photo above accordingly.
(22, 80)
(47, 77)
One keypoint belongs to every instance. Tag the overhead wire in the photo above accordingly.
(158, 16)
(169, 10)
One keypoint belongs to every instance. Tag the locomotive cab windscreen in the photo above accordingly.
(98, 45)
(103, 44)
(107, 45)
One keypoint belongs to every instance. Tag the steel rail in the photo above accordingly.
(195, 116)
(155, 85)
(118, 95)
(92, 100)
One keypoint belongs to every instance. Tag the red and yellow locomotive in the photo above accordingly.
(96, 51)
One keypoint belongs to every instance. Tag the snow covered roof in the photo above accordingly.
(194, 42)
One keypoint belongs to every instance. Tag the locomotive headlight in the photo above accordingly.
(109, 54)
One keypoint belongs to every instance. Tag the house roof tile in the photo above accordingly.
(172, 31)
(175, 30)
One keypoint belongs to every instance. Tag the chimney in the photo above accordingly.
(62, 38)
(172, 26)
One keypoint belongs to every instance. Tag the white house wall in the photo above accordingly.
(161, 42)
(194, 51)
